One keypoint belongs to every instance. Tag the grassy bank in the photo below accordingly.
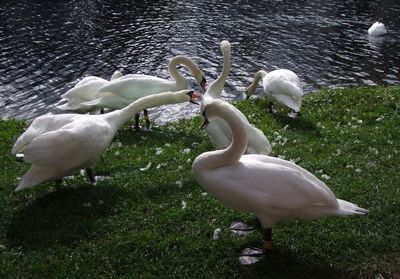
(148, 217)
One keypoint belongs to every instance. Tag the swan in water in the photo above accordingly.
(85, 90)
(58, 145)
(272, 188)
(377, 29)
(121, 92)
(281, 86)
(218, 131)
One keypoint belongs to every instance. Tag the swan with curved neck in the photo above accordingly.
(85, 90)
(123, 91)
(272, 188)
(281, 86)
(58, 145)
(218, 131)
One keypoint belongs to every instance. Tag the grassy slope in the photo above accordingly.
(134, 225)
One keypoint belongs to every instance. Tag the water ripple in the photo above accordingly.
(47, 46)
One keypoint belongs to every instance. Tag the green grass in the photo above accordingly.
(134, 225)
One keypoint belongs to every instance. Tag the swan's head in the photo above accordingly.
(199, 76)
(189, 95)
(210, 111)
(225, 46)
(116, 74)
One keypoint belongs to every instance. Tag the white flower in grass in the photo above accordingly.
(87, 204)
(185, 151)
(146, 167)
(216, 234)
(82, 172)
(358, 170)
(325, 177)
(204, 194)
(179, 184)
(167, 145)
(117, 153)
(159, 150)
(183, 204)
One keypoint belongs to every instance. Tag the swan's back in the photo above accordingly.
(284, 87)
(135, 86)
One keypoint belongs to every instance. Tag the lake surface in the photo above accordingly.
(47, 46)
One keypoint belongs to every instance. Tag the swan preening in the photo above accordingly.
(120, 92)
(218, 132)
(272, 188)
(377, 29)
(281, 86)
(58, 145)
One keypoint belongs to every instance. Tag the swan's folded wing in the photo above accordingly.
(133, 87)
(65, 148)
(87, 91)
(255, 186)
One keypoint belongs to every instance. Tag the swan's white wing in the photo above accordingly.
(108, 100)
(257, 141)
(255, 186)
(76, 105)
(133, 87)
(74, 146)
(289, 164)
(41, 125)
(219, 133)
(88, 79)
(87, 91)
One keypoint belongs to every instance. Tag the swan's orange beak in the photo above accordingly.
(195, 96)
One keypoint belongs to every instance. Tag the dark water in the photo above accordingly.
(46, 46)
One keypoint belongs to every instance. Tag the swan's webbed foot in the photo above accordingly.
(241, 228)
(89, 173)
(252, 255)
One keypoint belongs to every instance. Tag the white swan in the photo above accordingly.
(377, 29)
(85, 90)
(281, 86)
(58, 145)
(218, 131)
(121, 92)
(272, 188)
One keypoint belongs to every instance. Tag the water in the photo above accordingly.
(46, 46)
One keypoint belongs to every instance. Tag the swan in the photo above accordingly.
(218, 131)
(121, 92)
(377, 29)
(272, 188)
(58, 145)
(281, 86)
(85, 90)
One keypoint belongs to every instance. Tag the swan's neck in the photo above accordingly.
(233, 153)
(119, 117)
(252, 88)
(216, 87)
(180, 81)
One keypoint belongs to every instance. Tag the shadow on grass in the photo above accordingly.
(62, 217)
(286, 264)
(300, 122)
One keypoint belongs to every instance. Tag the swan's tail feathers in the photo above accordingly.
(347, 208)
(36, 175)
